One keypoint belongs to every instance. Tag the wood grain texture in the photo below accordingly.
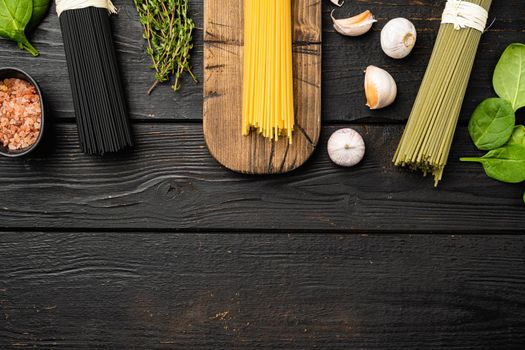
(198, 291)
(171, 182)
(344, 60)
(50, 69)
(223, 62)
(167, 290)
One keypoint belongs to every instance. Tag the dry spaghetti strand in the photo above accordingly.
(268, 100)
(427, 139)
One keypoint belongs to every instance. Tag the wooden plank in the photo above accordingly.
(171, 182)
(344, 60)
(223, 61)
(50, 68)
(199, 291)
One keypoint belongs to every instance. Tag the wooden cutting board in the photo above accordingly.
(223, 61)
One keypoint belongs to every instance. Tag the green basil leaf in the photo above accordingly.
(518, 136)
(14, 17)
(509, 76)
(505, 164)
(492, 124)
(40, 8)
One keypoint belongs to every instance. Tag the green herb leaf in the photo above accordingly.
(518, 136)
(492, 124)
(14, 17)
(505, 164)
(509, 76)
(168, 32)
(40, 8)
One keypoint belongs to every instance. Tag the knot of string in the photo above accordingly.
(464, 14)
(65, 5)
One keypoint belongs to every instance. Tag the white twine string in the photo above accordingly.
(64, 5)
(464, 14)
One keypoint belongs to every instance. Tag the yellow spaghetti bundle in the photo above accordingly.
(268, 102)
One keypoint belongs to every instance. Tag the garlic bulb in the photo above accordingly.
(346, 147)
(380, 88)
(354, 26)
(398, 38)
(338, 3)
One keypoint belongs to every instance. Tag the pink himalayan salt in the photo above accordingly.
(20, 114)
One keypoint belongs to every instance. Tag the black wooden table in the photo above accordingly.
(161, 248)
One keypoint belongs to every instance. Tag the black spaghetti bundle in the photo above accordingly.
(98, 96)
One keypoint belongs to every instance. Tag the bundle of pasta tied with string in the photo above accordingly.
(98, 95)
(427, 139)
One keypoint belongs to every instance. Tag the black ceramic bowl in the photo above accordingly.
(6, 73)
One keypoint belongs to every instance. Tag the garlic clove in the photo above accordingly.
(398, 38)
(338, 3)
(354, 26)
(346, 147)
(380, 88)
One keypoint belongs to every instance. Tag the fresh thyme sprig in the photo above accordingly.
(168, 31)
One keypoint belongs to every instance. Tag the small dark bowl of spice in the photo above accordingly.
(21, 113)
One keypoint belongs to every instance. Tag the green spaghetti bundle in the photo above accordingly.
(427, 139)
